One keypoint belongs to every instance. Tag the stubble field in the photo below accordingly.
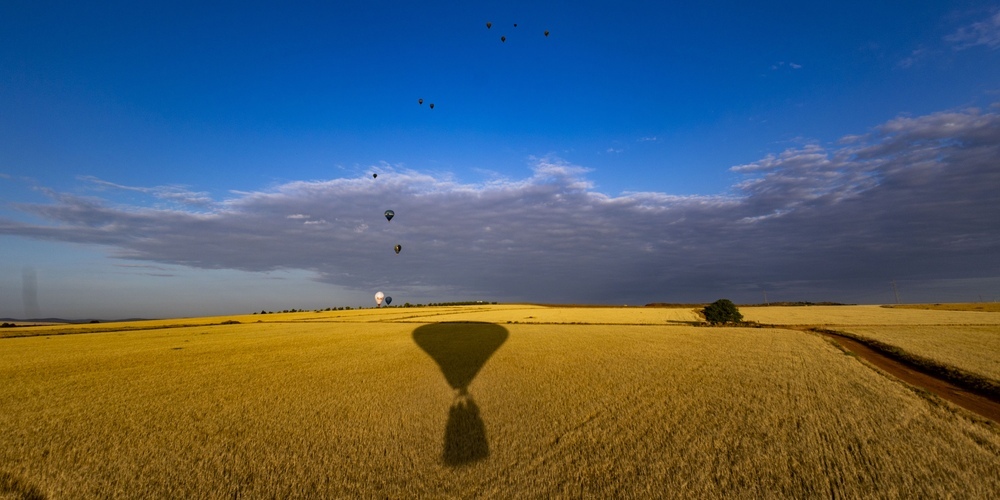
(514, 401)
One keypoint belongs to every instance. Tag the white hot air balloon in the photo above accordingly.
(379, 296)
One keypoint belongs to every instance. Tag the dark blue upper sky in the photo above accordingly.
(122, 102)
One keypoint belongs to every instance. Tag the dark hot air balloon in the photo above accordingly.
(503, 39)
(432, 105)
(374, 176)
(388, 300)
(546, 32)
(421, 101)
(389, 214)
(489, 25)
(398, 248)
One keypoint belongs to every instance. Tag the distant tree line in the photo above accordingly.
(466, 303)
(349, 308)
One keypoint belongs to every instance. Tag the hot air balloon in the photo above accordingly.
(503, 39)
(546, 32)
(388, 300)
(432, 105)
(374, 176)
(398, 248)
(421, 101)
(389, 214)
(515, 25)
(489, 25)
(378, 298)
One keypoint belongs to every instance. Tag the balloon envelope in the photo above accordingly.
(378, 297)
(374, 176)
(389, 214)
(388, 300)
(420, 101)
(398, 248)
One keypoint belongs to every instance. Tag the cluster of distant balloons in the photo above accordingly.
(389, 214)
(503, 39)
(379, 296)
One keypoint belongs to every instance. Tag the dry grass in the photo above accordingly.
(350, 405)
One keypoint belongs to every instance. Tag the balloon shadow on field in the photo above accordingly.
(461, 350)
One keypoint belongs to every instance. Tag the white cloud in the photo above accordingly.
(914, 197)
(984, 33)
(781, 64)
(178, 194)
(915, 57)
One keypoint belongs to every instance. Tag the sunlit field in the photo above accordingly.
(866, 315)
(503, 400)
(966, 306)
(975, 349)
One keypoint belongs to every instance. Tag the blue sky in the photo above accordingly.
(182, 159)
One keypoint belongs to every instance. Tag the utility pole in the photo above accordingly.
(895, 291)
(766, 303)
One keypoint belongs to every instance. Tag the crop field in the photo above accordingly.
(967, 306)
(472, 401)
(866, 315)
(975, 349)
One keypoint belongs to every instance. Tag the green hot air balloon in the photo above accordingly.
(398, 248)
(389, 214)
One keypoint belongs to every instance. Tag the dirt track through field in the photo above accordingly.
(979, 404)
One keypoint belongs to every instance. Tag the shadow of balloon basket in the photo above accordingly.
(461, 350)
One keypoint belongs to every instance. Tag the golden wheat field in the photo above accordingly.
(474, 401)
(866, 315)
(972, 348)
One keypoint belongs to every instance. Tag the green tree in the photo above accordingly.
(722, 311)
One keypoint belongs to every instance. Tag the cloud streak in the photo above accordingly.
(914, 198)
(980, 34)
